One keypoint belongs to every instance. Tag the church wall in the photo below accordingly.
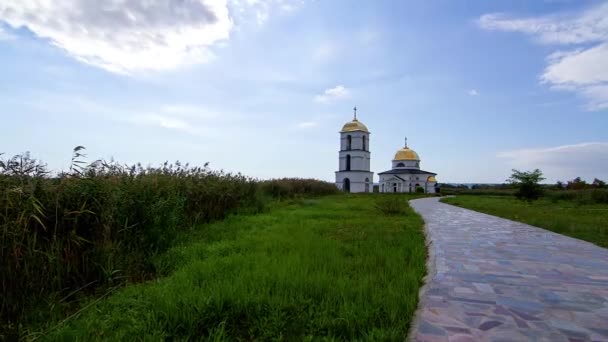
(357, 180)
(411, 164)
(359, 160)
(409, 185)
(356, 138)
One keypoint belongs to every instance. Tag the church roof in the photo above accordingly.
(406, 171)
(354, 125)
(406, 153)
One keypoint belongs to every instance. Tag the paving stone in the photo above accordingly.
(499, 280)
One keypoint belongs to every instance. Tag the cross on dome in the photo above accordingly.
(355, 109)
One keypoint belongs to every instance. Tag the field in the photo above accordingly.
(338, 267)
(587, 222)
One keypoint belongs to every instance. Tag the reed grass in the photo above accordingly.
(99, 225)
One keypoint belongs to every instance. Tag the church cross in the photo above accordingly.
(405, 141)
(355, 109)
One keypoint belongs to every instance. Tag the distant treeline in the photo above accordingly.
(576, 190)
(99, 225)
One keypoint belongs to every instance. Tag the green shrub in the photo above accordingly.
(291, 187)
(585, 196)
(392, 204)
(419, 190)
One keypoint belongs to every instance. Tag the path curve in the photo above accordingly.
(493, 279)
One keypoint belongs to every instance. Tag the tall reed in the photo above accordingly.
(98, 225)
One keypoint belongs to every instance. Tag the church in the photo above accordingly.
(354, 173)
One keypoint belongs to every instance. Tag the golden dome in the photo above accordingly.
(354, 125)
(406, 154)
(431, 179)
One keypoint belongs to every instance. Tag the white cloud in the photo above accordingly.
(307, 124)
(261, 9)
(338, 92)
(582, 69)
(136, 35)
(586, 160)
(163, 121)
(473, 92)
(126, 36)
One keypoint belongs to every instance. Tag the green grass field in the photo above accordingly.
(334, 268)
(585, 222)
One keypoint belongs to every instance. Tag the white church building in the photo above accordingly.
(354, 173)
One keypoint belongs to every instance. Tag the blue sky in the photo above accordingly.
(262, 87)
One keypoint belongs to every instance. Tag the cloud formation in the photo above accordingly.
(136, 35)
(583, 68)
(338, 92)
(126, 36)
(307, 124)
(473, 92)
(586, 160)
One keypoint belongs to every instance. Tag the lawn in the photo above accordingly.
(586, 222)
(333, 268)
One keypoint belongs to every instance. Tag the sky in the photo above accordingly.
(263, 87)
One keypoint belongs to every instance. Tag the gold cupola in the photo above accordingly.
(406, 154)
(354, 125)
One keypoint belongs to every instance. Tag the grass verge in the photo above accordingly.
(335, 268)
(585, 222)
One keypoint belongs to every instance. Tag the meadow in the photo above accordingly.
(579, 214)
(342, 267)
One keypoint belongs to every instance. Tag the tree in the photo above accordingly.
(527, 183)
(598, 183)
(576, 184)
(560, 185)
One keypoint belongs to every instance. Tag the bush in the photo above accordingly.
(419, 190)
(293, 187)
(586, 196)
(392, 204)
(528, 187)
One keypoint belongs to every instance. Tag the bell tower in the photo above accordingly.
(354, 157)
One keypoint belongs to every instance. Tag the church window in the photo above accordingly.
(394, 187)
(346, 185)
(400, 165)
(364, 143)
(349, 142)
(348, 162)
(366, 184)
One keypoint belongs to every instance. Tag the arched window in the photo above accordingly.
(400, 165)
(346, 185)
(394, 187)
(366, 184)
(348, 162)
(364, 143)
(349, 142)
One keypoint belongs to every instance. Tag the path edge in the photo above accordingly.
(431, 271)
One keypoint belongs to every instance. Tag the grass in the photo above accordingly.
(334, 268)
(585, 222)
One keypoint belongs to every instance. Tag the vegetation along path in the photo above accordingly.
(496, 279)
(341, 267)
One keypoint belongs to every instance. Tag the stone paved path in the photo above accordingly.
(499, 280)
